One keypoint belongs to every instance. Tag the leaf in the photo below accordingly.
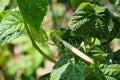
(112, 1)
(116, 57)
(76, 3)
(44, 77)
(67, 69)
(96, 74)
(111, 72)
(11, 26)
(4, 13)
(115, 33)
(4, 58)
(101, 53)
(3, 4)
(91, 20)
(33, 11)
(117, 5)
(98, 54)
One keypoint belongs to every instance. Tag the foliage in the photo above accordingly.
(3, 4)
(31, 10)
(68, 69)
(11, 26)
(91, 20)
(83, 58)
(76, 3)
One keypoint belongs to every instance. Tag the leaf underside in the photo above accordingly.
(3, 4)
(11, 26)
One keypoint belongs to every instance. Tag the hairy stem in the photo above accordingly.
(73, 49)
(36, 46)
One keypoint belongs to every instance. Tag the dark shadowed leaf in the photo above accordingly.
(112, 1)
(117, 5)
(91, 20)
(116, 57)
(96, 74)
(101, 53)
(115, 32)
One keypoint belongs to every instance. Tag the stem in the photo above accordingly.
(36, 46)
(74, 50)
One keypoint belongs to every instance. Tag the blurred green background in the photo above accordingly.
(18, 59)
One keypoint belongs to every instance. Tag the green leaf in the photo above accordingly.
(112, 1)
(98, 54)
(96, 74)
(116, 57)
(4, 13)
(4, 58)
(76, 3)
(117, 5)
(111, 72)
(101, 53)
(115, 32)
(11, 26)
(44, 77)
(67, 69)
(91, 20)
(3, 4)
(33, 12)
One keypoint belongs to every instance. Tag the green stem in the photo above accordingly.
(74, 50)
(36, 46)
